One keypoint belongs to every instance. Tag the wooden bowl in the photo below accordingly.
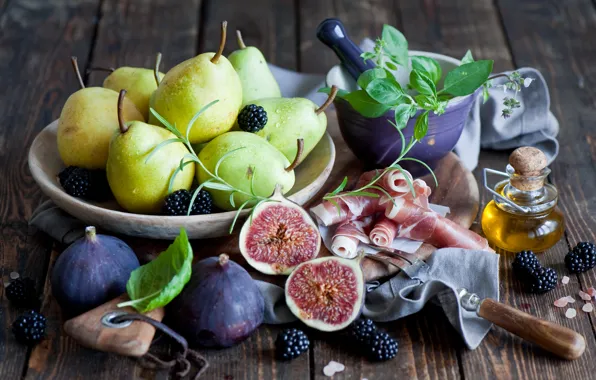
(45, 164)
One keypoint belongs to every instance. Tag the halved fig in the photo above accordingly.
(280, 236)
(326, 293)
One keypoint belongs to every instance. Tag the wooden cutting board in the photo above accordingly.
(457, 189)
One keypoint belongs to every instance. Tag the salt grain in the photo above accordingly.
(561, 302)
(588, 308)
(584, 296)
(565, 280)
(332, 368)
(570, 313)
(14, 275)
(570, 299)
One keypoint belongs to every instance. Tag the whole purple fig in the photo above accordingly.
(91, 271)
(220, 306)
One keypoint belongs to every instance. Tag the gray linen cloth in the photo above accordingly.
(449, 269)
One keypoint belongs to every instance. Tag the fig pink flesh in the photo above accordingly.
(280, 235)
(325, 291)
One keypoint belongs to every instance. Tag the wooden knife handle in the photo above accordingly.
(555, 338)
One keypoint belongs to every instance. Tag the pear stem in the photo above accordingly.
(222, 43)
(123, 127)
(300, 144)
(106, 69)
(240, 40)
(156, 68)
(329, 100)
(75, 66)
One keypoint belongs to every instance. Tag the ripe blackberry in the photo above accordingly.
(177, 203)
(380, 346)
(21, 292)
(252, 118)
(85, 183)
(581, 258)
(362, 330)
(542, 280)
(525, 262)
(29, 328)
(291, 343)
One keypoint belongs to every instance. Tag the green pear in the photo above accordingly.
(87, 123)
(138, 82)
(251, 66)
(250, 158)
(289, 119)
(138, 180)
(193, 84)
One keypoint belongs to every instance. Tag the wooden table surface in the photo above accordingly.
(38, 36)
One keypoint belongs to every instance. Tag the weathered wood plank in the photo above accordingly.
(266, 24)
(128, 33)
(501, 355)
(36, 41)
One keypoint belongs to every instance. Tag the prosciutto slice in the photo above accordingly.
(349, 234)
(353, 207)
(383, 232)
(419, 224)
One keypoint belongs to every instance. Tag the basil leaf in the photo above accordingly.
(422, 83)
(467, 58)
(369, 75)
(465, 79)
(385, 91)
(425, 101)
(485, 94)
(365, 105)
(158, 282)
(396, 45)
(402, 114)
(390, 66)
(421, 126)
(367, 55)
(427, 66)
(340, 93)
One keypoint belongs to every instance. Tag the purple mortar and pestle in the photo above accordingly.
(374, 140)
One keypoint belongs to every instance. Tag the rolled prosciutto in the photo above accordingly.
(419, 224)
(383, 232)
(349, 234)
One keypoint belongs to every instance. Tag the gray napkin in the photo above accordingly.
(532, 124)
(449, 269)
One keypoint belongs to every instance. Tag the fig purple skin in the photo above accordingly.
(92, 271)
(219, 307)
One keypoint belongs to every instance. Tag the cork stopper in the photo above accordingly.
(529, 164)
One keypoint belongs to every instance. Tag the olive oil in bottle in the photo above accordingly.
(523, 214)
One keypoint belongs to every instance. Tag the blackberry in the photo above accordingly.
(525, 263)
(291, 343)
(29, 328)
(21, 292)
(542, 280)
(361, 330)
(85, 183)
(177, 203)
(252, 118)
(380, 346)
(581, 258)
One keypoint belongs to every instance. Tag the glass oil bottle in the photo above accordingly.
(523, 214)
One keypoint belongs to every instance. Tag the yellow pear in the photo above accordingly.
(87, 122)
(193, 84)
(139, 177)
(138, 82)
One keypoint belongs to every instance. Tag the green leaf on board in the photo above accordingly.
(365, 105)
(465, 79)
(158, 282)
(421, 126)
(427, 66)
(341, 186)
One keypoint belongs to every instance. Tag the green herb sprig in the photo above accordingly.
(215, 182)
